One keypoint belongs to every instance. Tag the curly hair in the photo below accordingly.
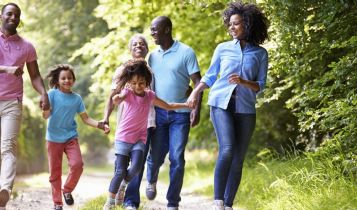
(54, 73)
(134, 67)
(255, 23)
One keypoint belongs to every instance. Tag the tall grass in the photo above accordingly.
(286, 183)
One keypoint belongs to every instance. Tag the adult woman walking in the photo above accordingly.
(237, 74)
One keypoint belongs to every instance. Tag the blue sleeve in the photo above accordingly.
(81, 107)
(212, 73)
(191, 62)
(262, 72)
(50, 94)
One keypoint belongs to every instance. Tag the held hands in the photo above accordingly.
(192, 100)
(104, 126)
(44, 103)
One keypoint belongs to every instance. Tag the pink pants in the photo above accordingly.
(55, 153)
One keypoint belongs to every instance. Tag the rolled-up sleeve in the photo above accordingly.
(262, 73)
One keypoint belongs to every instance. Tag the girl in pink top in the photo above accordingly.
(130, 138)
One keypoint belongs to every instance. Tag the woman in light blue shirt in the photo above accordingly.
(237, 74)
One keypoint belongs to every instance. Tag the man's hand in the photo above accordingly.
(195, 117)
(44, 102)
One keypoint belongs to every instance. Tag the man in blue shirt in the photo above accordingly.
(174, 64)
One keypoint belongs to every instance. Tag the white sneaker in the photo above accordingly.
(130, 208)
(228, 208)
(108, 206)
(172, 208)
(218, 205)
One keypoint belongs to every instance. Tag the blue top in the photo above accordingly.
(172, 69)
(61, 125)
(251, 63)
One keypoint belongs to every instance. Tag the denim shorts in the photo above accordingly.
(123, 148)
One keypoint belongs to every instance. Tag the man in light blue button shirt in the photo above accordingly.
(174, 64)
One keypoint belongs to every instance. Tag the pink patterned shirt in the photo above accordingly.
(133, 123)
(14, 51)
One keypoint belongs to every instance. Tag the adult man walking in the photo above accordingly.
(173, 64)
(14, 52)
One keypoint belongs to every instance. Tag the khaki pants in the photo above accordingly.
(10, 116)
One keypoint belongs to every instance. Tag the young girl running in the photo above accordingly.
(130, 138)
(62, 135)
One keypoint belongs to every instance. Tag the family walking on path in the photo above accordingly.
(157, 108)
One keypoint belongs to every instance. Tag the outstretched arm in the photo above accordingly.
(172, 106)
(109, 107)
(95, 124)
(37, 83)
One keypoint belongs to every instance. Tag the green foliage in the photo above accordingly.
(315, 63)
(126, 18)
(31, 143)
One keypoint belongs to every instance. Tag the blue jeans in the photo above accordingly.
(121, 170)
(233, 131)
(132, 194)
(171, 136)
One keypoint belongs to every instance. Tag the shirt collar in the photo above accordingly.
(247, 45)
(10, 38)
(173, 48)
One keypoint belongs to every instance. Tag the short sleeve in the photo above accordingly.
(31, 53)
(191, 62)
(81, 107)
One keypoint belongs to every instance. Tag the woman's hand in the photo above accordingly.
(235, 79)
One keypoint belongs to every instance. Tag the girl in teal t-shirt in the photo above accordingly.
(62, 135)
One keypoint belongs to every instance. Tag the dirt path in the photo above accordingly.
(34, 194)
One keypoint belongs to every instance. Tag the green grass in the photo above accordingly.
(296, 183)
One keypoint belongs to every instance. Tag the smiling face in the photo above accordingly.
(236, 27)
(158, 31)
(66, 81)
(10, 19)
(138, 48)
(138, 84)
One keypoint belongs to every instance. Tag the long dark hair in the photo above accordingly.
(255, 22)
(134, 67)
(54, 73)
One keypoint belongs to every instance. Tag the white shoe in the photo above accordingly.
(172, 208)
(218, 205)
(228, 208)
(130, 208)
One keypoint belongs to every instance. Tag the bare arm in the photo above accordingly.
(109, 107)
(195, 113)
(38, 85)
(235, 79)
(172, 106)
(95, 124)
